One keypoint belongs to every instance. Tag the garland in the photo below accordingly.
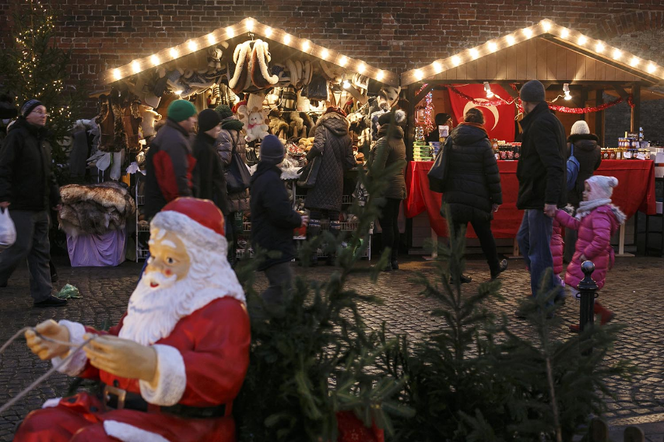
(583, 110)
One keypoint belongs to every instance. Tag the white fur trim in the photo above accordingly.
(240, 59)
(129, 433)
(193, 231)
(53, 402)
(77, 363)
(261, 52)
(172, 378)
(292, 69)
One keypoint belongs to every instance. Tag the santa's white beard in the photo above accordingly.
(153, 313)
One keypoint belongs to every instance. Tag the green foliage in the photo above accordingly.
(33, 67)
(475, 380)
(311, 356)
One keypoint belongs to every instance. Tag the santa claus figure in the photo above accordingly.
(173, 365)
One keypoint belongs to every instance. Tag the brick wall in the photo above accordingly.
(390, 34)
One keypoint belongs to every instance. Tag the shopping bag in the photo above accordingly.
(309, 173)
(7, 230)
(238, 177)
(440, 169)
(573, 167)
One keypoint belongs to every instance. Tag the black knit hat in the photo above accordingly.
(272, 150)
(29, 106)
(207, 120)
(532, 92)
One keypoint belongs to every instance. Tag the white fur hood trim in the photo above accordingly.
(172, 378)
(129, 433)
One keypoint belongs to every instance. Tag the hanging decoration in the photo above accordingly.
(586, 110)
(483, 102)
(428, 114)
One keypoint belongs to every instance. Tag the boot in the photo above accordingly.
(605, 315)
(502, 266)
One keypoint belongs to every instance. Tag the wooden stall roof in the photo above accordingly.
(546, 52)
(260, 30)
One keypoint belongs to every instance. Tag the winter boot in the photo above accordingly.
(605, 315)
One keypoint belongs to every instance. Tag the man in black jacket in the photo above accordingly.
(273, 219)
(28, 188)
(541, 173)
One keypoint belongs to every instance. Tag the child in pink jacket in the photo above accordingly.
(596, 220)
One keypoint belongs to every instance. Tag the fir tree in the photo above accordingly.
(33, 67)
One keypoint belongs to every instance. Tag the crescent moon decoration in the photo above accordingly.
(490, 108)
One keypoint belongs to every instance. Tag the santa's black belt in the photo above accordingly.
(117, 398)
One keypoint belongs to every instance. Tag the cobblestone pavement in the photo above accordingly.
(633, 291)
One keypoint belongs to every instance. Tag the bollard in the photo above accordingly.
(587, 288)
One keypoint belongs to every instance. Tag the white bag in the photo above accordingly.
(7, 230)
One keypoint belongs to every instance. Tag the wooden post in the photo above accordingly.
(634, 434)
(410, 133)
(635, 120)
(599, 431)
(599, 117)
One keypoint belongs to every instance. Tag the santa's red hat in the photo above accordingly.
(195, 220)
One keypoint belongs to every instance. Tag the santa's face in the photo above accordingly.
(169, 261)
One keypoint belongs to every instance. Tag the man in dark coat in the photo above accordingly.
(589, 154)
(169, 163)
(273, 219)
(542, 179)
(29, 189)
(209, 179)
(473, 190)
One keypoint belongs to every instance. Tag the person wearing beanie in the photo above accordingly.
(29, 189)
(596, 220)
(209, 181)
(441, 119)
(332, 141)
(589, 154)
(169, 161)
(541, 172)
(390, 149)
(273, 220)
(181, 349)
(232, 148)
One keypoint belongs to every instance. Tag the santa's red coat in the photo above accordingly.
(214, 344)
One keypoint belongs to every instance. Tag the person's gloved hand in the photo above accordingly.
(122, 357)
(44, 349)
(550, 210)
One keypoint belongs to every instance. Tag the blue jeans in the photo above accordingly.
(534, 239)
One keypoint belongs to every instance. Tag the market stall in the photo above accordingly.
(275, 82)
(575, 70)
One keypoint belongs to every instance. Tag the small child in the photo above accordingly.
(596, 220)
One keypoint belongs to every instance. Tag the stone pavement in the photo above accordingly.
(633, 290)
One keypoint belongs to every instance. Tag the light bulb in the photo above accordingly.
(173, 52)
(546, 25)
(456, 60)
(380, 75)
(437, 66)
(361, 68)
(487, 89)
(230, 32)
(192, 45)
(343, 60)
(474, 53)
(568, 96)
(564, 33)
(250, 25)
(178, 92)
(116, 74)
(493, 47)
(268, 31)
(211, 38)
(510, 39)
(634, 61)
(582, 40)
(599, 47)
(617, 53)
(419, 74)
(305, 46)
(346, 84)
(287, 39)
(324, 53)
(528, 32)
(651, 68)
(135, 67)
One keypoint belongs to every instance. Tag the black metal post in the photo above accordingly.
(587, 288)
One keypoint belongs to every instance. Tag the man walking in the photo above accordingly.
(541, 173)
(169, 162)
(29, 190)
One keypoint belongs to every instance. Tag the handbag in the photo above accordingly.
(237, 174)
(440, 169)
(573, 167)
(7, 230)
(309, 173)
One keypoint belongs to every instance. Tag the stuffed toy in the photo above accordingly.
(214, 58)
(255, 126)
(297, 125)
(277, 125)
(149, 118)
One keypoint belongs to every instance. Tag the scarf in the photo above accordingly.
(473, 124)
(585, 207)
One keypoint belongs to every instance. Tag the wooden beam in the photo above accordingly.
(506, 85)
(583, 95)
(622, 92)
(410, 132)
(635, 120)
(599, 117)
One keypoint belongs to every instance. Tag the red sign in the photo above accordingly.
(499, 120)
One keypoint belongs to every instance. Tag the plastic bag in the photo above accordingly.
(69, 292)
(7, 230)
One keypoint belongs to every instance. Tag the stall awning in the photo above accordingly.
(246, 27)
(544, 51)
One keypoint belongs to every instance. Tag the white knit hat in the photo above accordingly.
(580, 127)
(601, 187)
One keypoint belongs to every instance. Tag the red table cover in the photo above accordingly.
(635, 191)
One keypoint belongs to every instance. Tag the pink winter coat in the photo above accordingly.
(594, 241)
(557, 246)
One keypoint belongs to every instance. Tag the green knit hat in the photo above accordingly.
(224, 111)
(180, 110)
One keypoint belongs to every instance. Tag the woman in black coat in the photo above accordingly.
(589, 154)
(473, 190)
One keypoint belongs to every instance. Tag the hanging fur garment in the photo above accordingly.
(131, 123)
(105, 122)
(241, 58)
(260, 74)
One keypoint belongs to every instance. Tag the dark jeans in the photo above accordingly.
(31, 242)
(280, 278)
(390, 226)
(487, 242)
(229, 224)
(534, 239)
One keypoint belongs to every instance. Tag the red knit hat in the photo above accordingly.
(198, 221)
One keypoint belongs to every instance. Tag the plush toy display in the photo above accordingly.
(277, 124)
(255, 117)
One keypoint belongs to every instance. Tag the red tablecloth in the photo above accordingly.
(635, 191)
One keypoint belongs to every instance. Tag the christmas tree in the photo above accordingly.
(33, 67)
